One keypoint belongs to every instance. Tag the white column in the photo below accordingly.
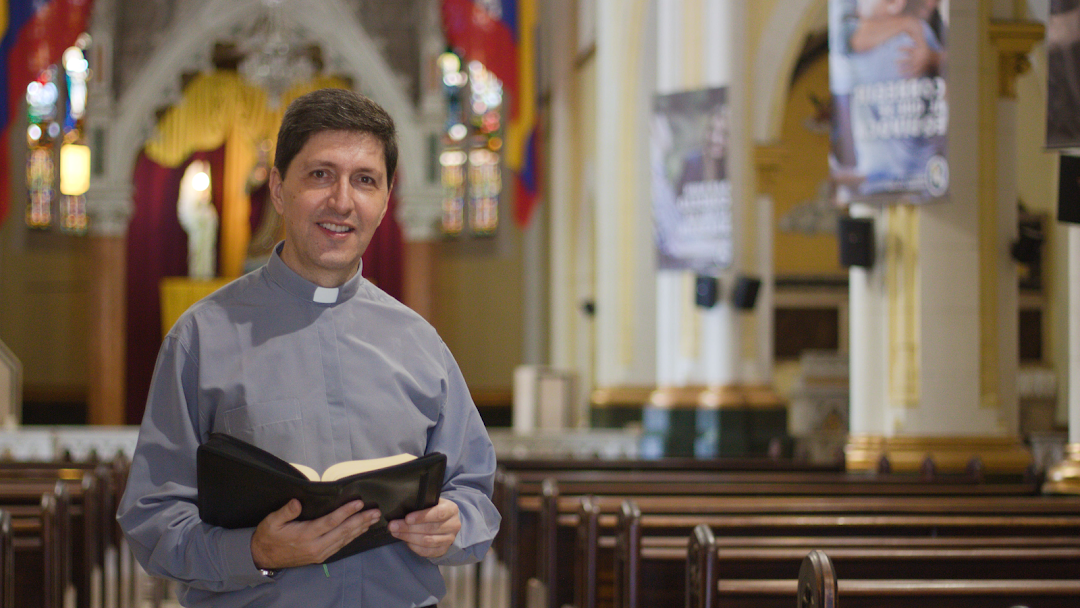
(625, 311)
(700, 346)
(1008, 287)
(868, 328)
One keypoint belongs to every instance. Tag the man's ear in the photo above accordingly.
(276, 191)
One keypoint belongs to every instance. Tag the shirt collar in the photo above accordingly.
(304, 289)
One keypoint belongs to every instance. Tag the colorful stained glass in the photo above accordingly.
(40, 177)
(453, 181)
(73, 214)
(485, 183)
(472, 164)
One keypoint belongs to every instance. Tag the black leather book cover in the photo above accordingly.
(240, 484)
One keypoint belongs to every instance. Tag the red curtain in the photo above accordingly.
(156, 248)
(382, 259)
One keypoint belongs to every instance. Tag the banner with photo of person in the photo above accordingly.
(890, 113)
(692, 207)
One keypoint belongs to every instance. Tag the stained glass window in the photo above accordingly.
(58, 159)
(42, 131)
(75, 156)
(471, 162)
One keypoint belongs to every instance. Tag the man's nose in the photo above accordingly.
(340, 197)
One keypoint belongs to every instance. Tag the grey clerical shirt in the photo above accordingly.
(315, 376)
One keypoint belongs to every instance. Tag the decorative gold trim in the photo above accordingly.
(672, 397)
(616, 396)
(739, 395)
(1013, 40)
(1064, 477)
(950, 454)
(902, 280)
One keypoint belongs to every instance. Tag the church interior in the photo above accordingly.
(899, 366)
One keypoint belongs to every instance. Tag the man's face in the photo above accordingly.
(332, 199)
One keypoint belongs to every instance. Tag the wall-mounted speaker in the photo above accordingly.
(744, 294)
(856, 240)
(1069, 189)
(706, 291)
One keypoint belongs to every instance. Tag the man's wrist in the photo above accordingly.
(270, 572)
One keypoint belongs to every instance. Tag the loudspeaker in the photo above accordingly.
(856, 240)
(706, 291)
(1025, 249)
(1069, 189)
(745, 292)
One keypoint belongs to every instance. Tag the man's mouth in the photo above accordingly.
(339, 228)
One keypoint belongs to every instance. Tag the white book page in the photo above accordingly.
(352, 467)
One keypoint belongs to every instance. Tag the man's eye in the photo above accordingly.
(319, 173)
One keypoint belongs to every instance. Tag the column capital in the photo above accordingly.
(110, 207)
(767, 161)
(1013, 40)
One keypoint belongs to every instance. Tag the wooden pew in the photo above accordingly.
(939, 558)
(7, 562)
(556, 520)
(95, 491)
(819, 587)
(534, 516)
(83, 563)
(41, 549)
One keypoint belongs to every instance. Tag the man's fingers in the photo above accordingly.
(443, 511)
(334, 519)
(285, 514)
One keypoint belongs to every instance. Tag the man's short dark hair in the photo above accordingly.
(334, 110)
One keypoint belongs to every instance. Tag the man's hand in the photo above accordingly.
(429, 533)
(281, 542)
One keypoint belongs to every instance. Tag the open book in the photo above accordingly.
(240, 484)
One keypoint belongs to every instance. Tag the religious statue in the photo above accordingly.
(199, 219)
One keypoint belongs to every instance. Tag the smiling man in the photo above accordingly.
(306, 359)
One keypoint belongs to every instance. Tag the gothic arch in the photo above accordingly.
(773, 62)
(351, 50)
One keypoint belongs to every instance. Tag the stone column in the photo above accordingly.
(624, 267)
(707, 373)
(945, 394)
(420, 211)
(109, 208)
(1064, 478)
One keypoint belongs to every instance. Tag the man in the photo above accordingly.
(309, 361)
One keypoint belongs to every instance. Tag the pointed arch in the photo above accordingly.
(327, 21)
(774, 62)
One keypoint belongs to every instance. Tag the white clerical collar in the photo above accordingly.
(325, 295)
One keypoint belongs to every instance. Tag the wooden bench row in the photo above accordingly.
(820, 586)
(543, 544)
(551, 518)
(66, 549)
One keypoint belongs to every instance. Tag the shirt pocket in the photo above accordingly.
(276, 426)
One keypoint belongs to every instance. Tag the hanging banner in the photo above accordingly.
(890, 115)
(1063, 75)
(692, 207)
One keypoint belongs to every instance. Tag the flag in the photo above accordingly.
(486, 31)
(501, 34)
(35, 35)
(527, 181)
